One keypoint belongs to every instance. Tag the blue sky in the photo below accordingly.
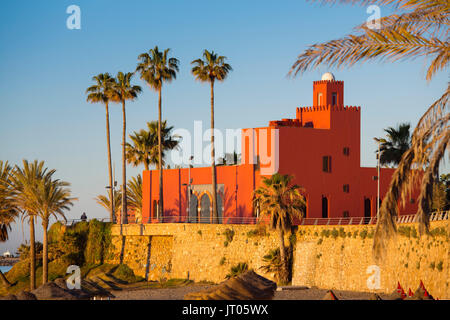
(45, 69)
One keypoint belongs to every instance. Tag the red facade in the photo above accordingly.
(320, 147)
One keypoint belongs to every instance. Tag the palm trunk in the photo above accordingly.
(5, 281)
(45, 254)
(108, 142)
(124, 169)
(213, 160)
(284, 271)
(32, 256)
(161, 196)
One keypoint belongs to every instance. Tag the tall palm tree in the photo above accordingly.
(155, 68)
(281, 202)
(53, 198)
(211, 69)
(135, 196)
(25, 183)
(145, 148)
(8, 211)
(416, 29)
(123, 91)
(102, 92)
(105, 202)
(396, 143)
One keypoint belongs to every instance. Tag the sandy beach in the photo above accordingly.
(179, 293)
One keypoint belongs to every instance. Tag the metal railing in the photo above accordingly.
(435, 216)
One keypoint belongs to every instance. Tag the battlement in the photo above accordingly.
(329, 108)
(329, 81)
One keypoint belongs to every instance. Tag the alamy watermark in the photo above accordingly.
(74, 281)
(373, 21)
(374, 280)
(261, 147)
(74, 20)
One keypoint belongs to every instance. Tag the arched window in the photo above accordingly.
(193, 209)
(205, 211)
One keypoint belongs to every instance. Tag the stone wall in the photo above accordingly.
(331, 257)
(200, 252)
(340, 258)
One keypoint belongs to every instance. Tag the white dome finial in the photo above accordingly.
(328, 76)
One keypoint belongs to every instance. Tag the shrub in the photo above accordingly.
(342, 233)
(325, 233)
(260, 231)
(439, 266)
(334, 233)
(363, 234)
(237, 270)
(320, 241)
(222, 261)
(124, 273)
(229, 234)
(272, 262)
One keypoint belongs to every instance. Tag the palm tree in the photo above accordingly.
(135, 196)
(155, 68)
(53, 198)
(123, 91)
(8, 211)
(397, 142)
(416, 29)
(105, 201)
(145, 148)
(281, 202)
(26, 182)
(212, 68)
(102, 92)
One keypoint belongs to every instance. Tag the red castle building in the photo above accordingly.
(320, 147)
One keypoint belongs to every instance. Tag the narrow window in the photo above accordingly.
(334, 98)
(346, 188)
(319, 99)
(326, 164)
(346, 151)
(324, 207)
(345, 214)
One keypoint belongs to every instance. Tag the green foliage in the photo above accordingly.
(260, 231)
(342, 233)
(200, 232)
(272, 263)
(334, 233)
(237, 270)
(325, 233)
(363, 234)
(293, 239)
(432, 265)
(225, 243)
(24, 250)
(320, 241)
(439, 231)
(222, 261)
(229, 234)
(98, 242)
(439, 266)
(124, 273)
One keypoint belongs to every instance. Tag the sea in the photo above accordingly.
(5, 269)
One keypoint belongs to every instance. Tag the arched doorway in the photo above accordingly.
(193, 209)
(324, 207)
(205, 209)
